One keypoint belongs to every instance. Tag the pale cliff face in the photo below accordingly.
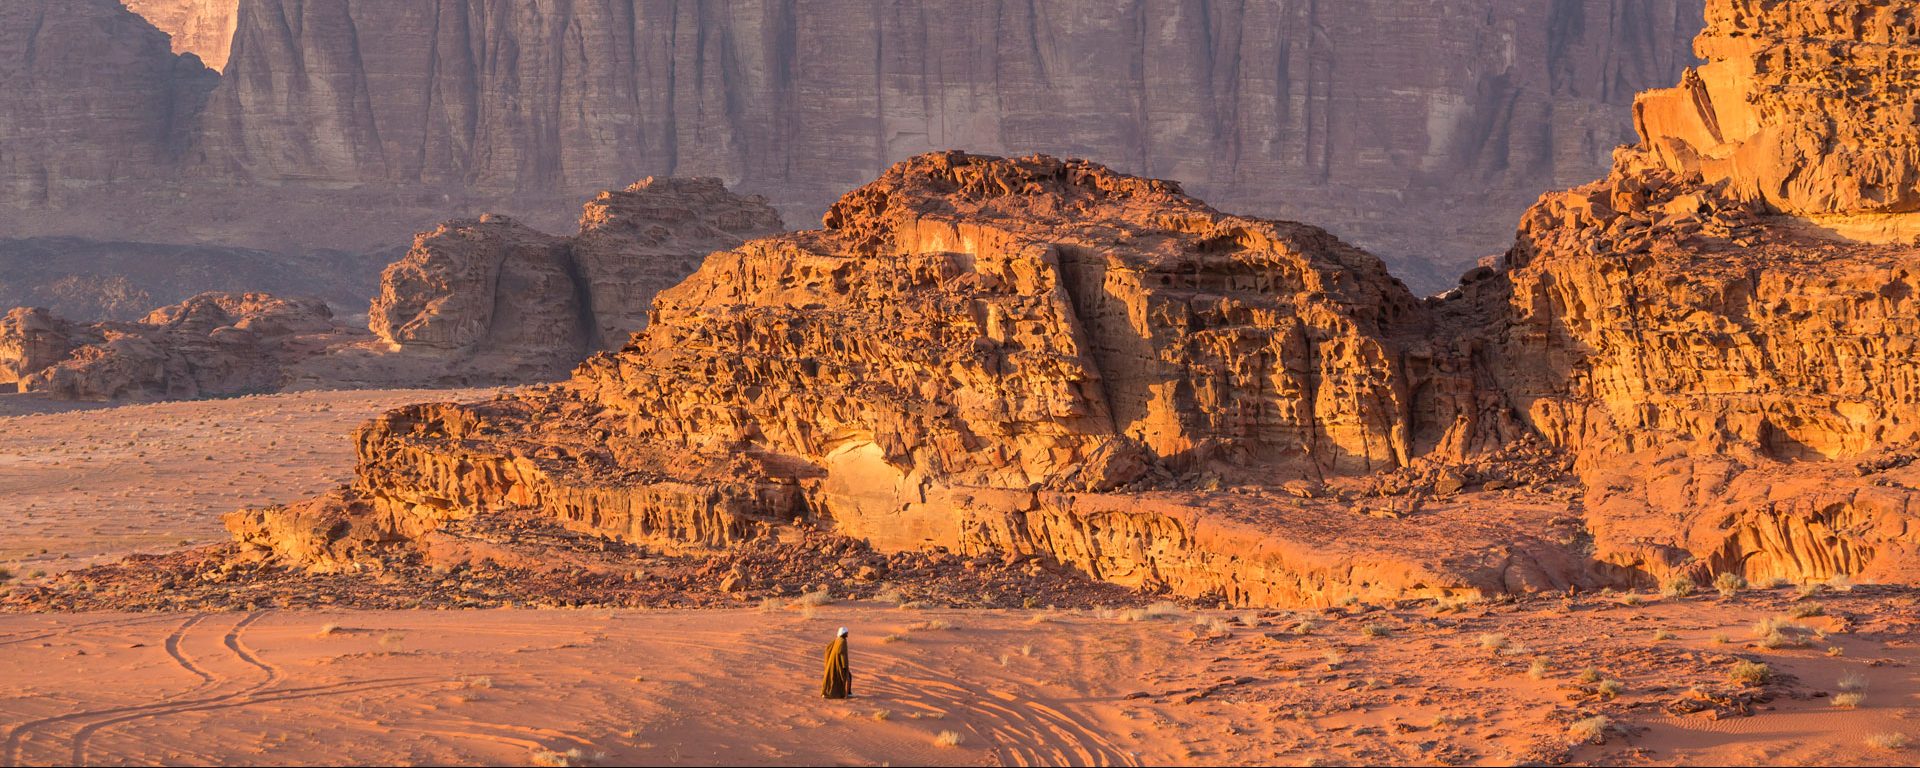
(200, 27)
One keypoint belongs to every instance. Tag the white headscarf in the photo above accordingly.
(843, 631)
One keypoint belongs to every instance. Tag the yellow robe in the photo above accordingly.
(839, 680)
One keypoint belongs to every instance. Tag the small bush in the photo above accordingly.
(1665, 634)
(1630, 599)
(772, 605)
(1891, 742)
(1375, 630)
(1589, 675)
(1729, 584)
(947, 739)
(1848, 700)
(816, 598)
(1539, 669)
(1678, 586)
(1853, 682)
(1154, 612)
(935, 625)
(1722, 639)
(1610, 689)
(1807, 611)
(1493, 641)
(1592, 730)
(1750, 673)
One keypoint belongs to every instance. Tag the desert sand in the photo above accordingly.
(1017, 687)
(1416, 682)
(84, 484)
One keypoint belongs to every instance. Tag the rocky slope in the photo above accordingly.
(211, 345)
(1451, 116)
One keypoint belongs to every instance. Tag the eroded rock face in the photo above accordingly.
(1695, 331)
(210, 345)
(494, 300)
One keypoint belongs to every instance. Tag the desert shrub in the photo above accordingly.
(1375, 630)
(1678, 586)
(1848, 700)
(1492, 641)
(1853, 682)
(947, 739)
(1750, 673)
(1729, 584)
(1891, 742)
(1589, 675)
(1539, 669)
(1592, 730)
(1610, 689)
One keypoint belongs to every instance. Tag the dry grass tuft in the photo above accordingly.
(1376, 630)
(1891, 742)
(816, 598)
(576, 756)
(1589, 675)
(1729, 584)
(1492, 641)
(1665, 634)
(1780, 632)
(1848, 700)
(935, 625)
(1853, 682)
(1678, 586)
(1539, 669)
(1750, 673)
(1592, 730)
(1610, 689)
(947, 739)
(1154, 612)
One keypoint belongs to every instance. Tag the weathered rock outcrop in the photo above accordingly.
(494, 300)
(1033, 355)
(210, 345)
(1726, 363)
(1451, 116)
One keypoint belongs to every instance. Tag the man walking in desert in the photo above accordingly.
(839, 679)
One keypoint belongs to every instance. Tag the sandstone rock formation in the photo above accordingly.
(1726, 352)
(210, 345)
(499, 301)
(1453, 116)
(1686, 369)
(1033, 356)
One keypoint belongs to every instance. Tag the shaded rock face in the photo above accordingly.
(213, 344)
(500, 301)
(1452, 115)
(89, 94)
